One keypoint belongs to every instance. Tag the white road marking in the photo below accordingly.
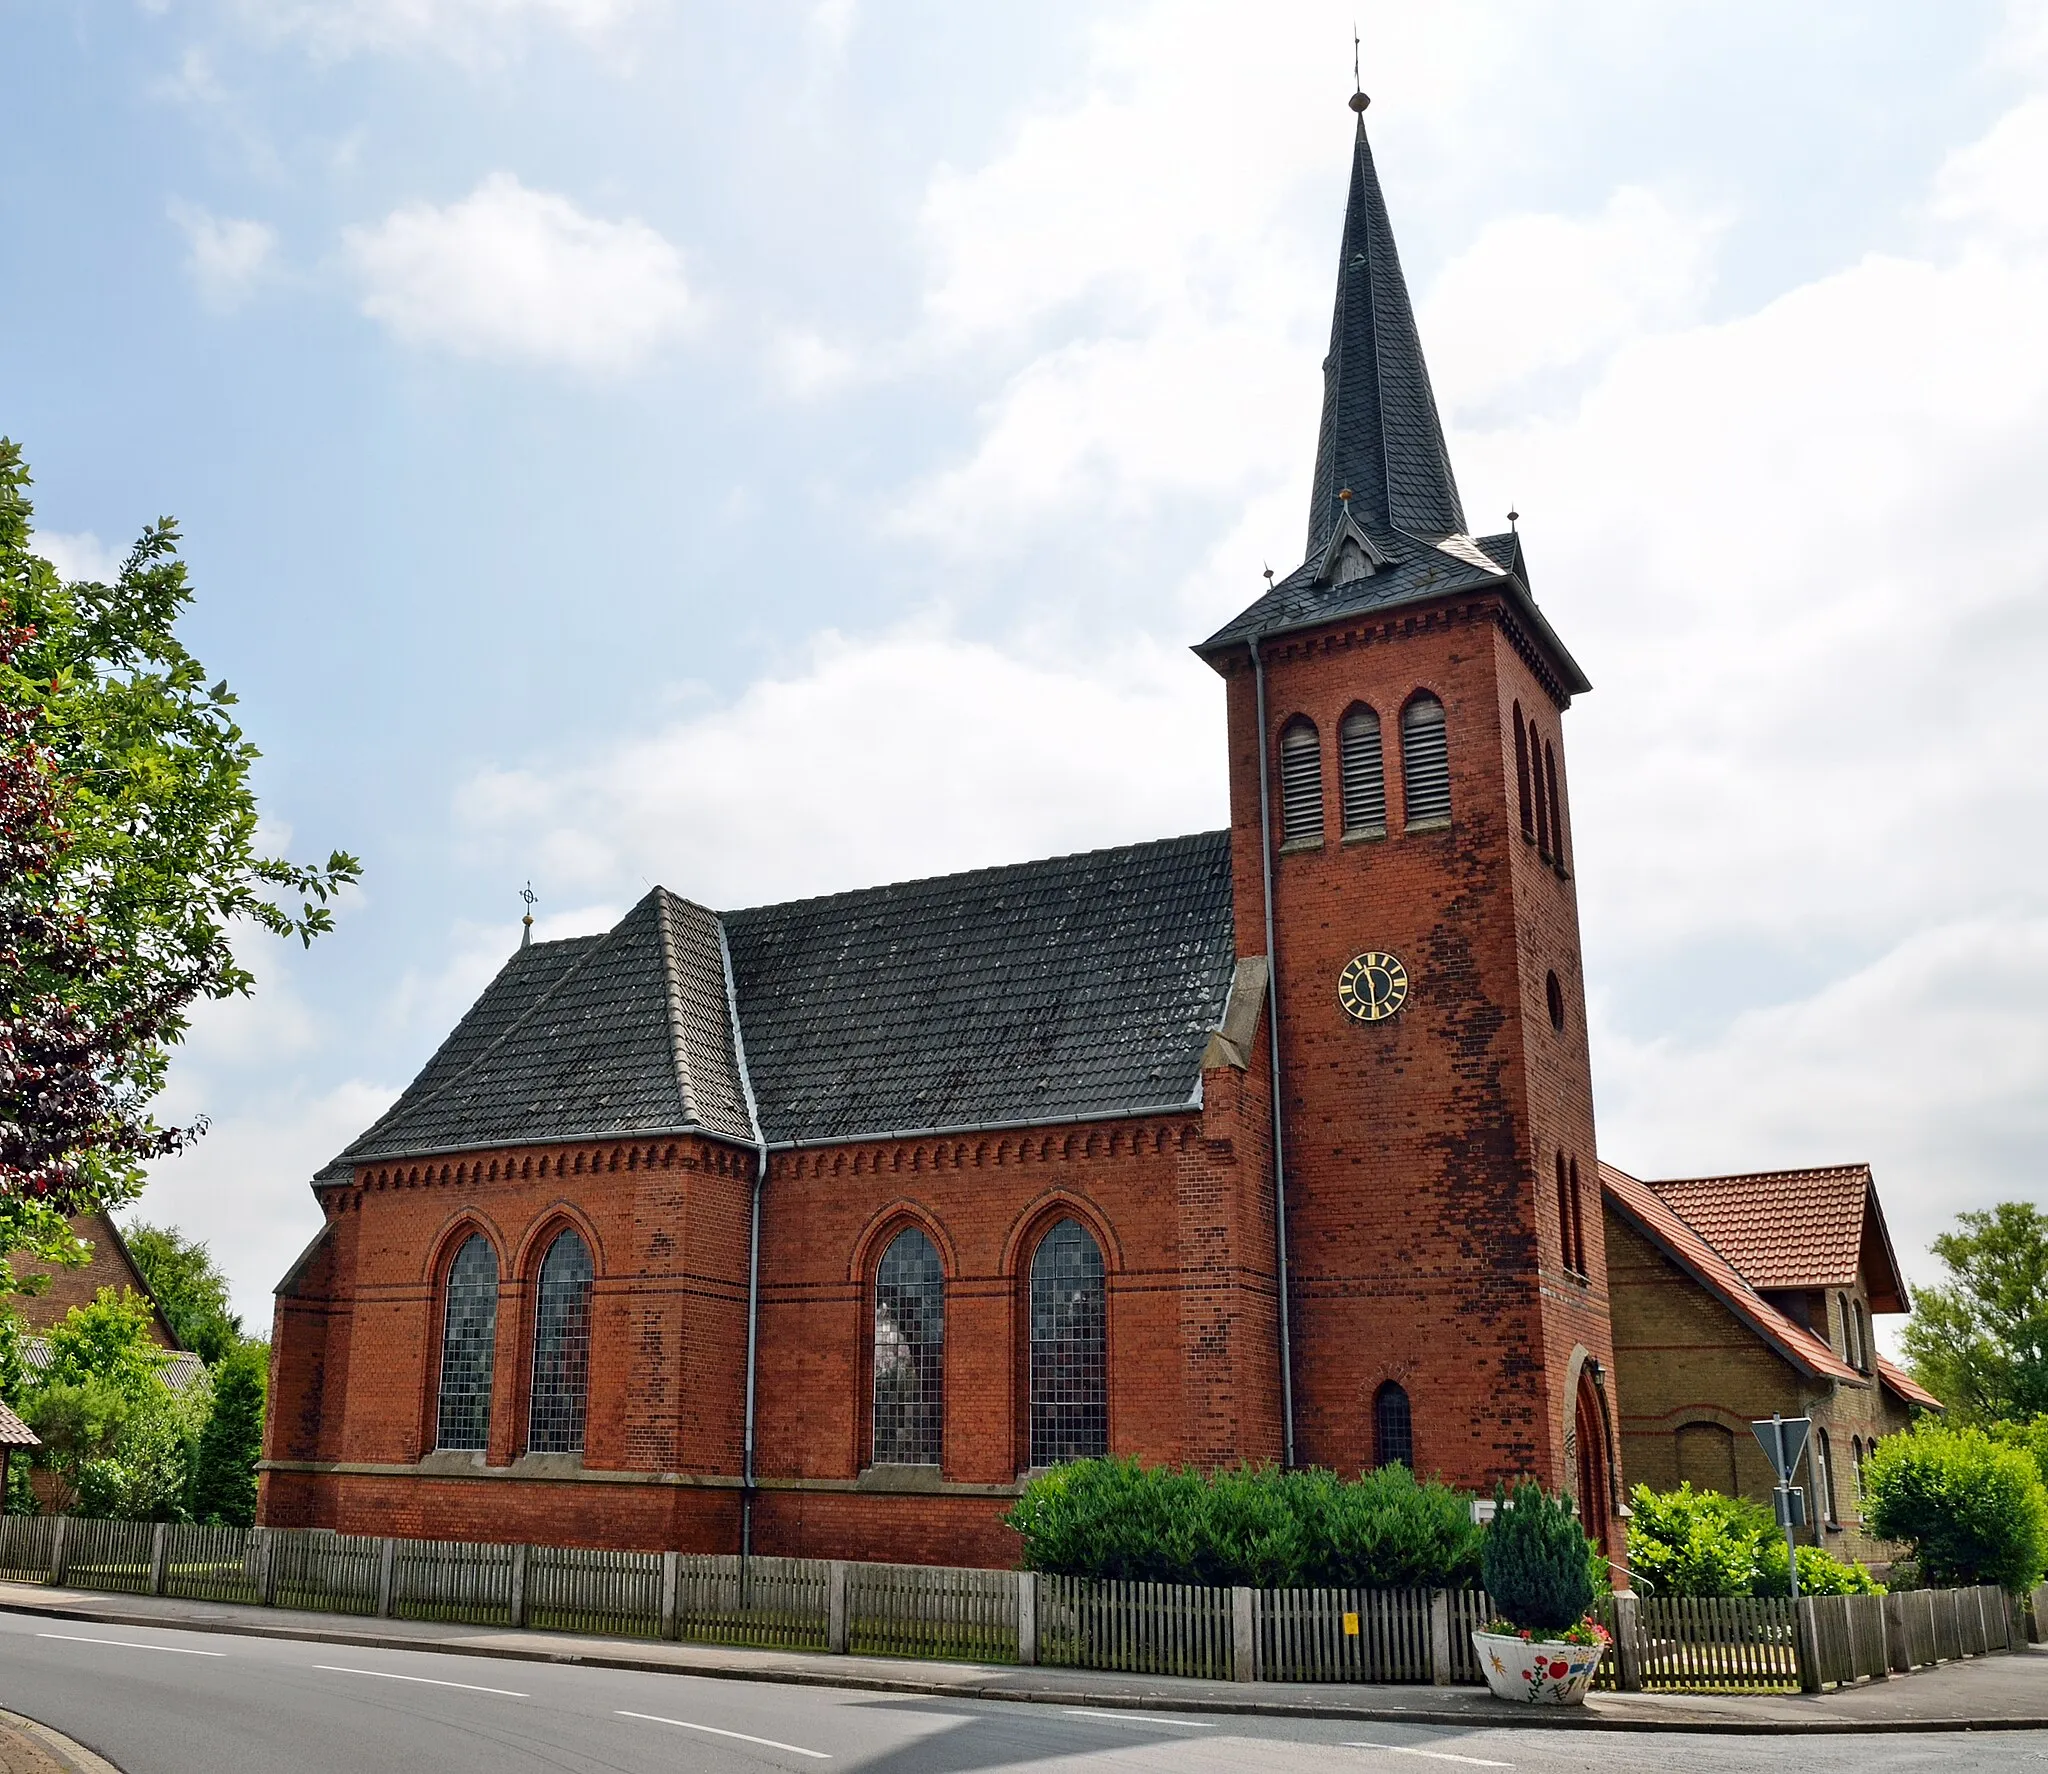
(431, 1681)
(795, 1749)
(129, 1644)
(1140, 1718)
(1435, 1755)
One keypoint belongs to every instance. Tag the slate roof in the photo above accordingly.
(1796, 1228)
(1077, 986)
(1066, 989)
(1645, 1208)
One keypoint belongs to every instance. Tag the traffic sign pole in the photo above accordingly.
(1783, 1440)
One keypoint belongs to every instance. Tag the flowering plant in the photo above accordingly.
(1581, 1632)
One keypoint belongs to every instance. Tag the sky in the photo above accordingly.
(767, 450)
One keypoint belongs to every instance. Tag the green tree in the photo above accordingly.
(1971, 1509)
(1979, 1340)
(108, 1340)
(189, 1287)
(80, 1422)
(224, 1468)
(128, 855)
(2031, 1437)
(1537, 1563)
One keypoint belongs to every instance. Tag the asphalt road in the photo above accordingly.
(162, 1702)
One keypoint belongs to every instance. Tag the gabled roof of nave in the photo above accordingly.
(1055, 990)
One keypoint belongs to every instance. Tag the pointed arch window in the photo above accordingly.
(910, 1352)
(1578, 1225)
(1824, 1477)
(561, 1348)
(1069, 1347)
(1863, 1360)
(1361, 759)
(469, 1340)
(1564, 1215)
(1425, 762)
(1393, 1428)
(1526, 805)
(1301, 782)
(1556, 803)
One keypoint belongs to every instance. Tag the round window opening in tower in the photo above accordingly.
(1553, 994)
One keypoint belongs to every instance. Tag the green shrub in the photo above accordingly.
(1820, 1572)
(1972, 1511)
(2030, 1436)
(1700, 1543)
(1536, 1560)
(1113, 1518)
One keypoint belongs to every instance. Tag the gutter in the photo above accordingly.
(1273, 1040)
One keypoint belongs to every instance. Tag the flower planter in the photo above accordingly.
(1542, 1673)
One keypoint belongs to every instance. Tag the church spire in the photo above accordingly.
(1381, 441)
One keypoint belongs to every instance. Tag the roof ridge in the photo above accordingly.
(1746, 1176)
(996, 868)
(672, 1002)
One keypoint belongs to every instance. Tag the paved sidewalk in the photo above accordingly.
(2003, 1693)
(29, 1748)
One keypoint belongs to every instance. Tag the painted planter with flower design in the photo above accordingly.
(1538, 1671)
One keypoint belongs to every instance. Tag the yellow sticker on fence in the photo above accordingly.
(1350, 1625)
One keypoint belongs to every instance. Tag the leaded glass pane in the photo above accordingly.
(469, 1340)
(1393, 1430)
(561, 1348)
(1069, 1366)
(910, 1352)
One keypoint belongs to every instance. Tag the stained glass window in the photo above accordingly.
(910, 1352)
(561, 1348)
(1393, 1430)
(469, 1339)
(1069, 1350)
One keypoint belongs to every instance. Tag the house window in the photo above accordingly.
(1556, 803)
(469, 1340)
(1578, 1224)
(1528, 807)
(1553, 1001)
(1301, 782)
(1564, 1214)
(1862, 1337)
(561, 1348)
(910, 1352)
(1364, 771)
(1393, 1428)
(1425, 762)
(1542, 800)
(1824, 1476)
(1069, 1348)
(1856, 1469)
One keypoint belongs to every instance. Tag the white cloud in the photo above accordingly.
(807, 366)
(474, 32)
(78, 555)
(876, 761)
(510, 273)
(225, 256)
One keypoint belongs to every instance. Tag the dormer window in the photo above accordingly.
(1351, 563)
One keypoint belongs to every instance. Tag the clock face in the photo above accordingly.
(1372, 986)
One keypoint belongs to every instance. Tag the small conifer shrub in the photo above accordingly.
(1534, 1562)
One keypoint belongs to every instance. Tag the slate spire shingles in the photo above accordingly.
(1380, 438)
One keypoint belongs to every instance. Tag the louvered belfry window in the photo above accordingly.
(1301, 782)
(469, 1339)
(1365, 774)
(1425, 761)
(1522, 777)
(561, 1348)
(1393, 1429)
(910, 1352)
(1069, 1348)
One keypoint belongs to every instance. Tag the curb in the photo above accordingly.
(69, 1754)
(854, 1678)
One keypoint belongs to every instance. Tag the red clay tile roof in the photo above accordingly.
(1795, 1228)
(1644, 1205)
(14, 1433)
(1907, 1387)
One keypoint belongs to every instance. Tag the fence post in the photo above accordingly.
(387, 1574)
(266, 1569)
(1628, 1643)
(1027, 1617)
(1806, 1645)
(835, 1607)
(60, 1552)
(1898, 1641)
(516, 1586)
(1440, 1675)
(159, 1557)
(671, 1594)
(1244, 1641)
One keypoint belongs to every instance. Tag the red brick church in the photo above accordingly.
(816, 1227)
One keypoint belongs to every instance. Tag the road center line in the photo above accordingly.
(1435, 1755)
(430, 1681)
(795, 1749)
(1140, 1718)
(129, 1644)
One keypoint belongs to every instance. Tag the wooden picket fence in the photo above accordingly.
(1164, 1629)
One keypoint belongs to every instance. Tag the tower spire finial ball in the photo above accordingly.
(1358, 102)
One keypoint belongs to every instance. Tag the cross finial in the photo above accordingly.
(526, 923)
(1358, 99)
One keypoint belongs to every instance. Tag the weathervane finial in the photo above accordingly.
(526, 923)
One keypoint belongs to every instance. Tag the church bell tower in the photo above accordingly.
(1402, 849)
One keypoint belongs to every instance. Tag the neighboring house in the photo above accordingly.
(1737, 1297)
(1000, 1148)
(112, 1265)
(180, 1371)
